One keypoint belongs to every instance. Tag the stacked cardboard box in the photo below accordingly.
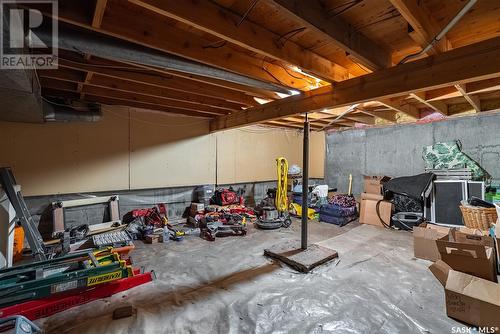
(470, 254)
(424, 240)
(470, 299)
(370, 198)
(467, 270)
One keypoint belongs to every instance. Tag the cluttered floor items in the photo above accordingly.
(376, 286)
(450, 212)
(454, 224)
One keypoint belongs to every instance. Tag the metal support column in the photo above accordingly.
(305, 183)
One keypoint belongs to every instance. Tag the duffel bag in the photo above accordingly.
(337, 210)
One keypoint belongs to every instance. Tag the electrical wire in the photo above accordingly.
(293, 75)
(215, 45)
(278, 80)
(222, 42)
(288, 35)
(345, 7)
(391, 14)
(252, 6)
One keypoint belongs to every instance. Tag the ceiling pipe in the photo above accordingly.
(103, 46)
(88, 113)
(443, 32)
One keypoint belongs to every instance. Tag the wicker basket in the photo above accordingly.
(479, 218)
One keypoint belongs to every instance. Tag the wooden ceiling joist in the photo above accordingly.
(473, 100)
(425, 27)
(437, 106)
(162, 81)
(396, 105)
(55, 93)
(98, 80)
(216, 20)
(386, 115)
(128, 96)
(483, 86)
(149, 29)
(100, 7)
(313, 16)
(470, 63)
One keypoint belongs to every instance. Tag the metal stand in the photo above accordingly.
(305, 184)
(7, 225)
(303, 259)
(13, 192)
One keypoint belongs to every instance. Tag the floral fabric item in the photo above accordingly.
(345, 201)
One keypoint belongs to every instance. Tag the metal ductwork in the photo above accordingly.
(22, 102)
(74, 39)
(20, 94)
(59, 113)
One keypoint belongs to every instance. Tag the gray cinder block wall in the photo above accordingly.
(397, 150)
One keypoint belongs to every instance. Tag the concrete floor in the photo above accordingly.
(228, 286)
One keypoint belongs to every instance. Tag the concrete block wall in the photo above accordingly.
(397, 150)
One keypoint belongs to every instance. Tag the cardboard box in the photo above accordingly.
(368, 210)
(424, 240)
(373, 183)
(151, 239)
(471, 254)
(469, 299)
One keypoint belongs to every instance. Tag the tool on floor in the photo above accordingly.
(51, 277)
(115, 239)
(44, 307)
(13, 191)
(227, 225)
(275, 215)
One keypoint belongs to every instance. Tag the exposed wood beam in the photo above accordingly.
(369, 120)
(149, 29)
(88, 77)
(387, 115)
(126, 96)
(442, 93)
(294, 125)
(216, 20)
(99, 80)
(113, 48)
(437, 106)
(100, 8)
(472, 99)
(163, 81)
(475, 87)
(483, 86)
(395, 105)
(470, 63)
(127, 103)
(312, 15)
(278, 124)
(424, 25)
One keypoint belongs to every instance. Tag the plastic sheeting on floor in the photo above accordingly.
(228, 286)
